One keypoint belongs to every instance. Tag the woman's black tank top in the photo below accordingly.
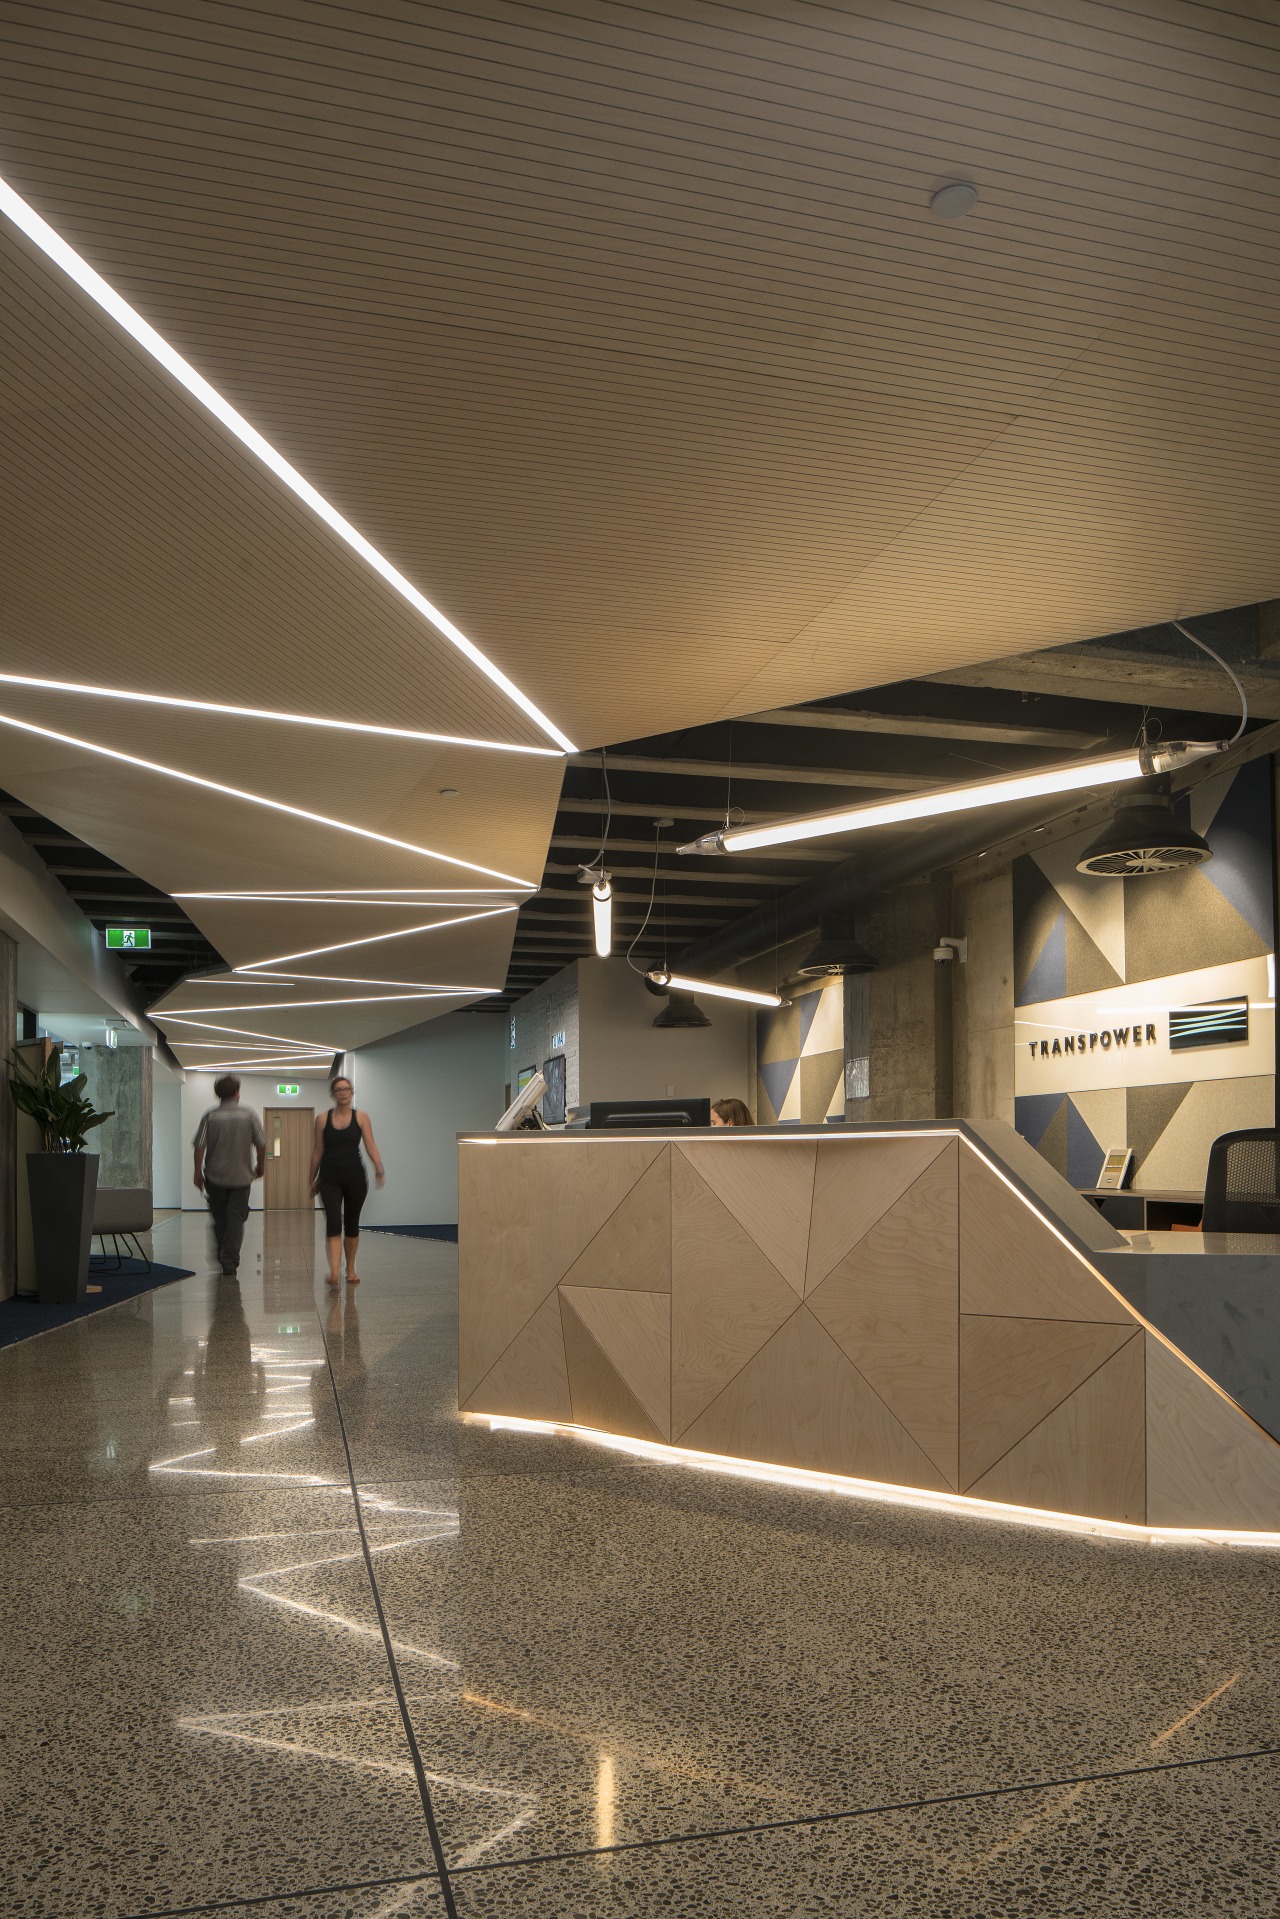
(341, 1157)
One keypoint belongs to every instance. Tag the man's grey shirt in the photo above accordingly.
(232, 1137)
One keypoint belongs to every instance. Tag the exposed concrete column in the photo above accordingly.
(909, 1037)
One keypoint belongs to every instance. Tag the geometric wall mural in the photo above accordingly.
(1078, 935)
(883, 1307)
(800, 1057)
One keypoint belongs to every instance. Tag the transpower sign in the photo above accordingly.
(1217, 1023)
(1085, 1042)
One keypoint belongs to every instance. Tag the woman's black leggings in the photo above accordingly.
(343, 1199)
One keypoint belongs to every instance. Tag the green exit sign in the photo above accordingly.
(133, 936)
(290, 1092)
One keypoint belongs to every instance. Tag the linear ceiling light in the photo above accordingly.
(375, 939)
(678, 983)
(292, 1006)
(354, 895)
(256, 799)
(248, 1032)
(1069, 778)
(285, 980)
(268, 713)
(478, 898)
(56, 249)
(602, 916)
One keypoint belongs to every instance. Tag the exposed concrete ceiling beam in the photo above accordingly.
(651, 810)
(744, 770)
(1124, 676)
(731, 878)
(994, 732)
(590, 842)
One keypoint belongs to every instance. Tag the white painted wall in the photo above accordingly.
(421, 1089)
(622, 1055)
(167, 1144)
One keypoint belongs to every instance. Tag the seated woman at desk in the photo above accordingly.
(731, 1112)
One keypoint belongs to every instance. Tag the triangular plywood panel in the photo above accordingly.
(632, 1250)
(768, 1188)
(531, 1380)
(525, 1211)
(1013, 1372)
(855, 1181)
(891, 1305)
(600, 1397)
(1208, 1464)
(1011, 1261)
(1089, 1455)
(727, 1299)
(633, 1331)
(800, 1402)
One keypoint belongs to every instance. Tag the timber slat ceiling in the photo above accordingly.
(625, 331)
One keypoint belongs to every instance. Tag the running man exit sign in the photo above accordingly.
(289, 1092)
(135, 936)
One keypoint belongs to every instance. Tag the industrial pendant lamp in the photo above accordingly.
(1144, 837)
(681, 1010)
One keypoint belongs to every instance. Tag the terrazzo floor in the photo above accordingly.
(271, 1613)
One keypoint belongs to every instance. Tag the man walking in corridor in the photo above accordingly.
(230, 1153)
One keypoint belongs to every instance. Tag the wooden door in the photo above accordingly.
(290, 1132)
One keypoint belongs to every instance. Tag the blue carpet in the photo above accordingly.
(19, 1318)
(416, 1232)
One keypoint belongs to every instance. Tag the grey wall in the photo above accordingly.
(168, 1155)
(421, 1089)
(622, 1055)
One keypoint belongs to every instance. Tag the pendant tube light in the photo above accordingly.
(678, 983)
(1138, 763)
(602, 914)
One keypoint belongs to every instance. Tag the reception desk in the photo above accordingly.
(922, 1306)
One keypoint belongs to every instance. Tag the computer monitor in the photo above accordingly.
(661, 1113)
(522, 1111)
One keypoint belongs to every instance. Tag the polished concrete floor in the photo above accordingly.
(617, 1687)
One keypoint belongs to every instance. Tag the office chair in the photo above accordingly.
(1242, 1191)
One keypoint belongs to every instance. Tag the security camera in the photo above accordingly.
(943, 953)
(951, 948)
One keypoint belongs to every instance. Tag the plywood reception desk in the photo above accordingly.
(924, 1306)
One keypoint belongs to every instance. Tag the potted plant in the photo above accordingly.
(63, 1179)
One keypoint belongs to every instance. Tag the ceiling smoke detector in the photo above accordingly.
(1144, 837)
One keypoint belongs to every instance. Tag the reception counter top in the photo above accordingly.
(928, 1307)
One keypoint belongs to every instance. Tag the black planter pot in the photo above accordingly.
(63, 1188)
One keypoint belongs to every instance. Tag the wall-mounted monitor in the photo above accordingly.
(525, 1074)
(553, 1100)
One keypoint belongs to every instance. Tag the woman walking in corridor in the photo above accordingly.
(338, 1175)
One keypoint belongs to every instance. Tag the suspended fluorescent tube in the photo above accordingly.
(677, 983)
(1138, 764)
(602, 914)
